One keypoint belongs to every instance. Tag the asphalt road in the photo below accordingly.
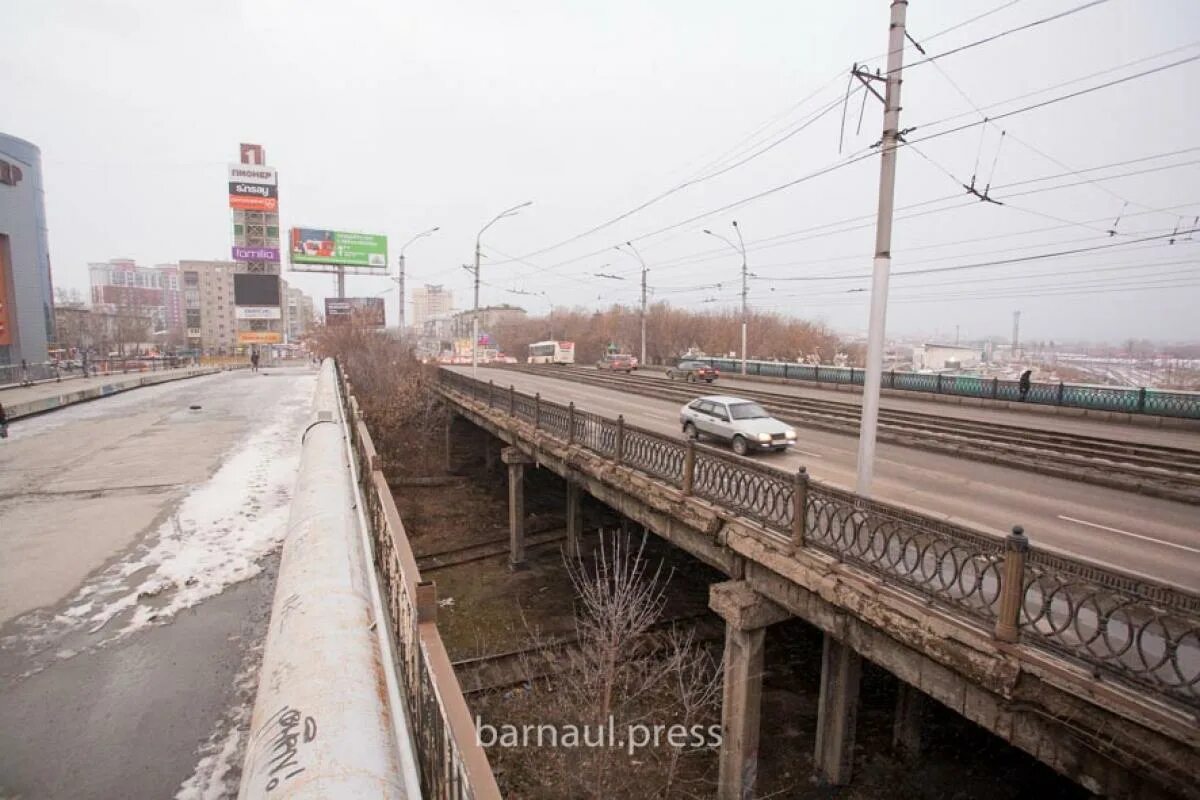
(138, 541)
(1158, 539)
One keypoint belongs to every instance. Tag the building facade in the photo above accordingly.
(430, 301)
(122, 288)
(209, 316)
(298, 314)
(26, 288)
(938, 357)
(489, 318)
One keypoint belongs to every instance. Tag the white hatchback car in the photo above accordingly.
(743, 423)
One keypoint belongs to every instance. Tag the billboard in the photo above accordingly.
(255, 253)
(255, 290)
(251, 203)
(258, 312)
(259, 337)
(252, 189)
(252, 173)
(337, 248)
(363, 311)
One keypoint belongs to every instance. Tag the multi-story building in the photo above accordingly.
(26, 293)
(489, 317)
(209, 312)
(430, 301)
(298, 313)
(122, 288)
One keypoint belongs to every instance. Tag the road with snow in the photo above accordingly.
(138, 546)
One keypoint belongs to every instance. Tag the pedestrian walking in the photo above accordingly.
(254, 361)
(3, 422)
(1024, 384)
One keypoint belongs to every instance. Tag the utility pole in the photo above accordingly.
(1016, 342)
(883, 246)
(475, 316)
(741, 248)
(400, 279)
(645, 270)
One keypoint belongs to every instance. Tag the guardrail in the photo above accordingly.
(325, 723)
(12, 375)
(452, 763)
(1144, 634)
(1140, 400)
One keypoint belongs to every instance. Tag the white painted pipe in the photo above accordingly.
(322, 725)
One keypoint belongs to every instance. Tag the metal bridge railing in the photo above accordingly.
(1128, 400)
(452, 763)
(1145, 634)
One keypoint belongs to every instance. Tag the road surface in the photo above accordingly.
(138, 540)
(1158, 539)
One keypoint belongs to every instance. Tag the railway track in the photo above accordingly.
(1168, 472)
(490, 548)
(515, 667)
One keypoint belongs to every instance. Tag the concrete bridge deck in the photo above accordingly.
(1145, 535)
(1026, 644)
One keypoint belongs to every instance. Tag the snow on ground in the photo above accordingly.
(218, 772)
(215, 537)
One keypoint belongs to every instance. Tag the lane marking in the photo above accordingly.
(1127, 533)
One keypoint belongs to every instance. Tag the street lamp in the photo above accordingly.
(642, 362)
(741, 248)
(400, 280)
(508, 212)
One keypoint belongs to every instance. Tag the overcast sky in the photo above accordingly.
(396, 117)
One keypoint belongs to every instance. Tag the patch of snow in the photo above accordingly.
(218, 772)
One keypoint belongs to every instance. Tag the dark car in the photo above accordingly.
(693, 372)
(616, 363)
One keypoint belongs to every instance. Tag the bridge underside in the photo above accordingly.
(1101, 735)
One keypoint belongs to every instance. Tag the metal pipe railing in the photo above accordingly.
(322, 724)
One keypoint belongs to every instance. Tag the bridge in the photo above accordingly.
(1078, 645)
(1091, 669)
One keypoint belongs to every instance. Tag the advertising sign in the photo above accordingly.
(260, 337)
(252, 189)
(362, 311)
(256, 254)
(251, 203)
(252, 173)
(257, 312)
(255, 290)
(338, 248)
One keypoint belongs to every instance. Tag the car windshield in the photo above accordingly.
(747, 411)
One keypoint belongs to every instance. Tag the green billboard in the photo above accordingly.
(338, 248)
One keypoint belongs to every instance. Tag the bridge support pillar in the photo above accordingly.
(906, 732)
(837, 711)
(747, 615)
(574, 519)
(490, 449)
(450, 418)
(516, 461)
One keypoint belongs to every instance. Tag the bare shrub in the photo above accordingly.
(395, 392)
(628, 668)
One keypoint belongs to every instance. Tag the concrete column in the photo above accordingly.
(574, 519)
(516, 461)
(910, 709)
(837, 712)
(746, 616)
(450, 442)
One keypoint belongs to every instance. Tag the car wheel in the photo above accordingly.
(689, 430)
(710, 380)
(739, 446)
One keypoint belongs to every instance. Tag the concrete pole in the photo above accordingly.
(837, 712)
(400, 315)
(475, 316)
(883, 255)
(516, 461)
(745, 292)
(642, 362)
(341, 281)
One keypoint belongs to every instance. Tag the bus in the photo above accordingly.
(551, 353)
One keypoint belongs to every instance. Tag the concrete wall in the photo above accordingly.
(27, 289)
